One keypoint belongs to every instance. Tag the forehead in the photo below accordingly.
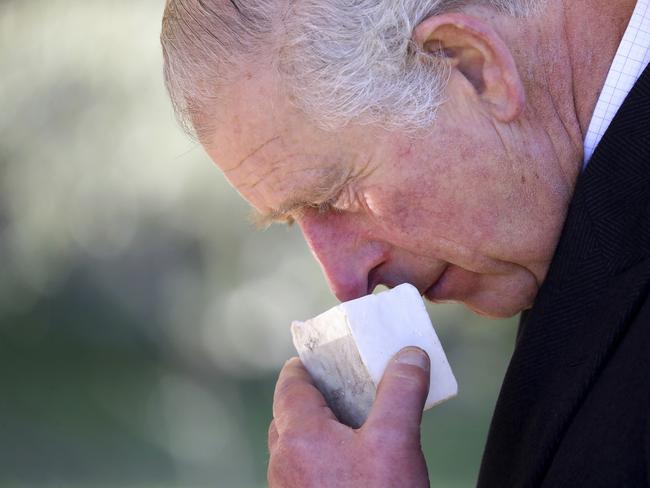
(268, 148)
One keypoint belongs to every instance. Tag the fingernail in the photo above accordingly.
(413, 356)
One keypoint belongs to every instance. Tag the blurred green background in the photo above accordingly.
(143, 321)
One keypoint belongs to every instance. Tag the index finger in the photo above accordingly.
(296, 399)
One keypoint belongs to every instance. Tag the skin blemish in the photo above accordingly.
(405, 150)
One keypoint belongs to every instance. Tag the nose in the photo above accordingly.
(348, 257)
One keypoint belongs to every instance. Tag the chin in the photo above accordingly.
(499, 306)
(497, 312)
(491, 310)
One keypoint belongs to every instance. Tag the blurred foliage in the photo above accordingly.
(142, 320)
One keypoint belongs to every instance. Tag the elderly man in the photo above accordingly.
(495, 153)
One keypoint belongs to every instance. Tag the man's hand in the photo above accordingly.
(310, 448)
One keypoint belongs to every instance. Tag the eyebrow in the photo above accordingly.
(332, 182)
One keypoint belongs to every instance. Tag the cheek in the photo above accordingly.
(407, 216)
(426, 215)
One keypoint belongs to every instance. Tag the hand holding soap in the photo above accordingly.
(347, 349)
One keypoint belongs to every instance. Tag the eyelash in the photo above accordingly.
(334, 204)
(321, 208)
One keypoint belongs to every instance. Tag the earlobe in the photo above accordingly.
(477, 52)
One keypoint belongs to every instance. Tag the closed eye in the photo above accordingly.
(337, 203)
(328, 206)
(341, 201)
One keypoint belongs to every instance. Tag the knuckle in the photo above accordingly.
(406, 379)
(272, 434)
(295, 444)
(279, 470)
(290, 386)
(412, 375)
(289, 395)
(298, 457)
(296, 450)
(286, 471)
(305, 433)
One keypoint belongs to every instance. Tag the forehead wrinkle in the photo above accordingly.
(253, 153)
(274, 167)
(330, 173)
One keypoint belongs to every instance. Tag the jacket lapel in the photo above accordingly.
(589, 296)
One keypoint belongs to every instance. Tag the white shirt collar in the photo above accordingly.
(631, 59)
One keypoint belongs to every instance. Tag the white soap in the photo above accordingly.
(347, 349)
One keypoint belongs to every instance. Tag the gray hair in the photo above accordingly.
(339, 60)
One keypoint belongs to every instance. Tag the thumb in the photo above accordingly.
(402, 393)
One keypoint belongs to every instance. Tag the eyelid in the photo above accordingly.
(340, 202)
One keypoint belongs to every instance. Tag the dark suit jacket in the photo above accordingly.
(574, 408)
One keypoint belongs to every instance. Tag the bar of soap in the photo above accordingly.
(347, 349)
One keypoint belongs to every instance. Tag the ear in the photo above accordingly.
(480, 56)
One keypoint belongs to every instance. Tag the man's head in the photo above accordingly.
(360, 54)
(396, 134)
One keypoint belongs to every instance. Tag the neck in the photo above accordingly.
(565, 57)
(594, 29)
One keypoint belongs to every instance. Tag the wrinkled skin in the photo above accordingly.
(450, 213)
(384, 453)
